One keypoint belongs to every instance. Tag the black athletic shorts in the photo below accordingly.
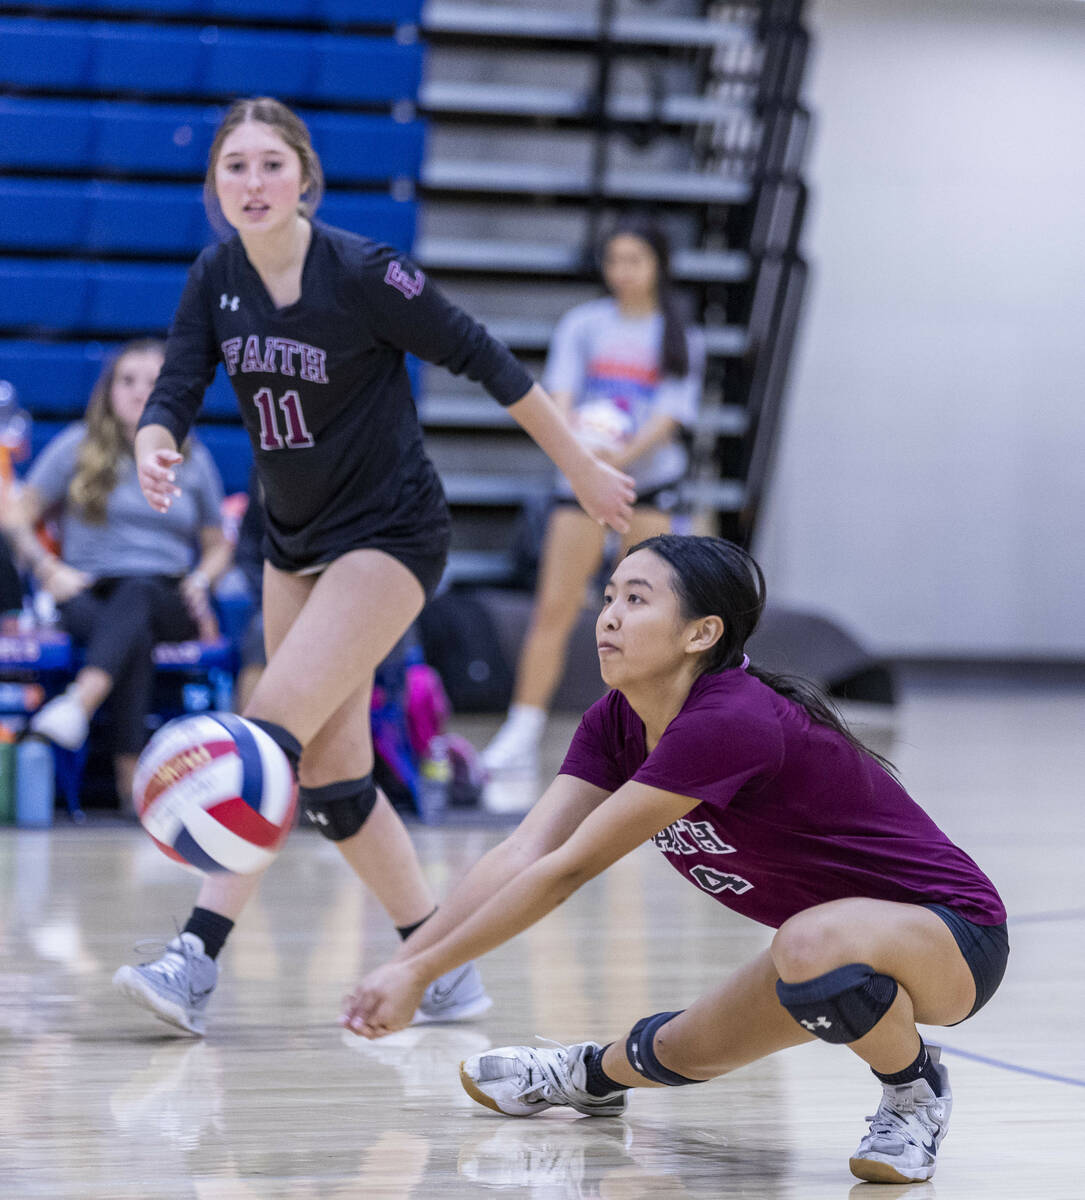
(424, 554)
(985, 948)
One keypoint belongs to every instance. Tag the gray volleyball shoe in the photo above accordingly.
(175, 987)
(455, 996)
(521, 1081)
(906, 1131)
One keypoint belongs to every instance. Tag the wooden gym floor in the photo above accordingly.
(102, 1101)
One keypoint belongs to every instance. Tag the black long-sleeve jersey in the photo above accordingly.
(323, 389)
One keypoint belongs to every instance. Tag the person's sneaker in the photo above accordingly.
(514, 749)
(175, 987)
(521, 1081)
(457, 996)
(906, 1131)
(62, 721)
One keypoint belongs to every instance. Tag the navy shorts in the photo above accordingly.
(985, 948)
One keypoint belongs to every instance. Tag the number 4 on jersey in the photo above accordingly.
(298, 436)
(718, 881)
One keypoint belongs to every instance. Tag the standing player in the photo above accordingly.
(758, 794)
(312, 324)
(629, 374)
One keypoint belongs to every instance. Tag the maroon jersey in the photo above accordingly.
(785, 812)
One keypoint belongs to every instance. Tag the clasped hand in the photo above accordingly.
(606, 494)
(383, 1002)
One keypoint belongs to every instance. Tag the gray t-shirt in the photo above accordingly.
(134, 540)
(611, 365)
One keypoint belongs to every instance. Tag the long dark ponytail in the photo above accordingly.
(715, 577)
(674, 351)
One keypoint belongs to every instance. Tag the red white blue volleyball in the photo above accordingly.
(215, 793)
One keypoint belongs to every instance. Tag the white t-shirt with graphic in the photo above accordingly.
(610, 364)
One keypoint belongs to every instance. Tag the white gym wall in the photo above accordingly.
(930, 484)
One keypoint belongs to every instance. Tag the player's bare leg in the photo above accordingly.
(572, 551)
(363, 603)
(917, 972)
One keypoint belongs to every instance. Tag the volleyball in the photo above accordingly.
(215, 793)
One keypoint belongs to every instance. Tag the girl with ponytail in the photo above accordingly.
(754, 791)
(627, 372)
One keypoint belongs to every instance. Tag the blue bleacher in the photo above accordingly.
(56, 378)
(141, 219)
(151, 139)
(228, 445)
(206, 61)
(353, 12)
(97, 297)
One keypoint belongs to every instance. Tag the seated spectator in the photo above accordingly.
(126, 577)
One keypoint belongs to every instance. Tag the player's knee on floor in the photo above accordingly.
(339, 809)
(640, 1051)
(842, 1005)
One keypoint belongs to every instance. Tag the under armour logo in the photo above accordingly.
(317, 818)
(820, 1023)
(230, 302)
(409, 285)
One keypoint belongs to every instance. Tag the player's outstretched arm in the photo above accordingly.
(605, 493)
(387, 998)
(156, 457)
(551, 822)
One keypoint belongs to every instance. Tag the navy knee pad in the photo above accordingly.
(282, 738)
(642, 1056)
(842, 1005)
(340, 809)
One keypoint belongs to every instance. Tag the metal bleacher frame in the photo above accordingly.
(737, 131)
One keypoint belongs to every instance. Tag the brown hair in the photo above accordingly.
(290, 127)
(105, 444)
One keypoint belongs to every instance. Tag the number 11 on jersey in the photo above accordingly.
(297, 434)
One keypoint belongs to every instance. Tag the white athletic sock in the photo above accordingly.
(526, 721)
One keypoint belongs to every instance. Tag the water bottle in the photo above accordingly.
(35, 784)
(434, 781)
(15, 424)
(7, 775)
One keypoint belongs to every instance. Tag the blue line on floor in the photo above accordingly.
(1005, 1066)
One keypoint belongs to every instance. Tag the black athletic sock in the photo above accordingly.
(922, 1068)
(405, 931)
(211, 928)
(282, 738)
(599, 1083)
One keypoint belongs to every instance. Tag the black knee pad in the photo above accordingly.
(340, 809)
(842, 1005)
(642, 1056)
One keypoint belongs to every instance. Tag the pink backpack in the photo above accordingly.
(428, 710)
